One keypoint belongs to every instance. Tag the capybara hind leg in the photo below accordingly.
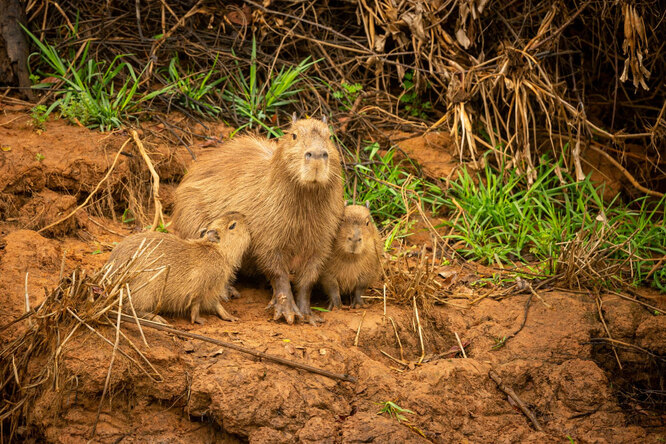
(357, 300)
(332, 290)
(224, 314)
(283, 300)
(194, 314)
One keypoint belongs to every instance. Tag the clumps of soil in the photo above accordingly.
(48, 207)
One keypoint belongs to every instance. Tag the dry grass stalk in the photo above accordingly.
(586, 261)
(158, 219)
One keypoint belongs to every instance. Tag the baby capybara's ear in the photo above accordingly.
(212, 236)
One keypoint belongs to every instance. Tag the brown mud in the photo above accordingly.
(205, 393)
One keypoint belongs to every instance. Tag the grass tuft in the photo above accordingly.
(501, 219)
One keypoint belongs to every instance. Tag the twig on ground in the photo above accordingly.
(238, 348)
(603, 322)
(509, 392)
(358, 332)
(420, 330)
(460, 344)
(397, 337)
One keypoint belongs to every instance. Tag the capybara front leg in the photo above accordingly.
(194, 313)
(303, 298)
(283, 300)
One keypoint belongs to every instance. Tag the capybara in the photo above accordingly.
(354, 262)
(290, 191)
(197, 271)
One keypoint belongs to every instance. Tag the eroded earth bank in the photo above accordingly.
(199, 392)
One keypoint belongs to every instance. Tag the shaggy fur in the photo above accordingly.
(291, 193)
(354, 263)
(199, 270)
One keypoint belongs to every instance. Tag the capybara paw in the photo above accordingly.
(334, 304)
(233, 293)
(156, 318)
(313, 319)
(228, 317)
(357, 303)
(283, 308)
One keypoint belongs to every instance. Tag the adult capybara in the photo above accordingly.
(354, 262)
(290, 191)
(197, 271)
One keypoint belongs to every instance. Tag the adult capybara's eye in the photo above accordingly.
(232, 225)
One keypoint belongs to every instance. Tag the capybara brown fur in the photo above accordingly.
(197, 271)
(290, 191)
(354, 262)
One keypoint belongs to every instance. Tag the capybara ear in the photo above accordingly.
(324, 118)
(202, 233)
(367, 204)
(293, 117)
(212, 236)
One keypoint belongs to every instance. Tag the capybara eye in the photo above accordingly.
(293, 135)
(325, 156)
(233, 225)
(203, 232)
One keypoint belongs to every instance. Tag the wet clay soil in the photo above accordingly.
(204, 393)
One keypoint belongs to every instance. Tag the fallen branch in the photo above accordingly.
(239, 348)
(509, 392)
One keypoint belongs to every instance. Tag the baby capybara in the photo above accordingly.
(197, 271)
(290, 191)
(354, 262)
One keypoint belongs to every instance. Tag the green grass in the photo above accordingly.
(394, 410)
(93, 93)
(258, 102)
(194, 88)
(503, 220)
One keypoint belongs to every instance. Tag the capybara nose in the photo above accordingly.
(316, 154)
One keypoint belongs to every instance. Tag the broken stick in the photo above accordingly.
(239, 348)
(531, 416)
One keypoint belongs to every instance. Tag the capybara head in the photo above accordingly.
(310, 155)
(356, 230)
(230, 231)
